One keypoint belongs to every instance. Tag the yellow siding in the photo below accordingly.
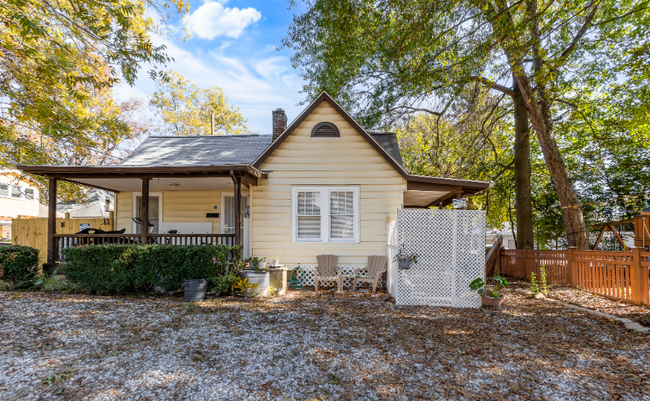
(303, 160)
(178, 206)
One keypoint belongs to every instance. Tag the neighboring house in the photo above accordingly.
(98, 204)
(492, 234)
(322, 185)
(17, 198)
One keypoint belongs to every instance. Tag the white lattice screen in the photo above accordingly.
(450, 249)
(308, 279)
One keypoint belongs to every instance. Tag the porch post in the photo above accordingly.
(236, 178)
(144, 228)
(51, 222)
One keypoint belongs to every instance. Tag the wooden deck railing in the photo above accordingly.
(67, 240)
(617, 275)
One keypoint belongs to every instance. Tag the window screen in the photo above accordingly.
(341, 214)
(308, 215)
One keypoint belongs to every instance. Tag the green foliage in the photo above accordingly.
(127, 268)
(222, 284)
(60, 61)
(18, 264)
(403, 255)
(534, 287)
(186, 109)
(54, 283)
(480, 286)
(543, 286)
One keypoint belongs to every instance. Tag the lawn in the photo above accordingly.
(311, 346)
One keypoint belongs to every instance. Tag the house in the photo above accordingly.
(97, 204)
(321, 185)
(17, 198)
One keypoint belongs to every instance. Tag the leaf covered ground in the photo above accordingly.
(639, 314)
(338, 346)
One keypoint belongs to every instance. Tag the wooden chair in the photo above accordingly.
(327, 271)
(376, 267)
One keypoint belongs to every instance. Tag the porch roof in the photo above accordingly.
(163, 178)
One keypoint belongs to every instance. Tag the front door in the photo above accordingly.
(228, 214)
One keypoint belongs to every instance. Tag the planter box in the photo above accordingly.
(493, 302)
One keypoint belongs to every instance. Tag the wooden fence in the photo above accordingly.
(616, 275)
(32, 231)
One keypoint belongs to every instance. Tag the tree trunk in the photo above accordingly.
(522, 172)
(571, 212)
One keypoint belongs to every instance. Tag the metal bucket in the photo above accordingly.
(262, 278)
(194, 290)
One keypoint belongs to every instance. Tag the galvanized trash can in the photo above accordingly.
(194, 290)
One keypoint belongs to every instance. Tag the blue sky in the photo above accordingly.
(232, 46)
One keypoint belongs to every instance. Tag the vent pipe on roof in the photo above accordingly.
(279, 123)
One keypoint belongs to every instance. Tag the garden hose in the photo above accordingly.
(296, 283)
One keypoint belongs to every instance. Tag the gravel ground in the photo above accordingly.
(639, 314)
(311, 346)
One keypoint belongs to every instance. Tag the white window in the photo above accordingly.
(15, 192)
(29, 193)
(325, 214)
(4, 189)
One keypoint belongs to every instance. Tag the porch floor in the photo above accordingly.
(304, 345)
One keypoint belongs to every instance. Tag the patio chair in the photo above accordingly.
(376, 267)
(327, 271)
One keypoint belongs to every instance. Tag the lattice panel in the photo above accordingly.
(308, 280)
(450, 248)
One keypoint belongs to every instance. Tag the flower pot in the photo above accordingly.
(404, 264)
(261, 278)
(194, 290)
(50, 268)
(251, 265)
(491, 301)
(261, 264)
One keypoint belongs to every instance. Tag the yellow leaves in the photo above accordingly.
(187, 109)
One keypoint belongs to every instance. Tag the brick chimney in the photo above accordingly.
(279, 123)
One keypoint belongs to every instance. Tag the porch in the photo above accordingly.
(138, 187)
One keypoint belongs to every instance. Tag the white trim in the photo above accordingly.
(221, 212)
(21, 192)
(325, 215)
(134, 207)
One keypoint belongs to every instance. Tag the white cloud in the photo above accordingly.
(212, 19)
(256, 82)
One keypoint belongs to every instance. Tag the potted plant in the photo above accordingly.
(255, 275)
(405, 259)
(490, 297)
(222, 284)
(256, 263)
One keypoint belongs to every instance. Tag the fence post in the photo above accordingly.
(571, 268)
(639, 278)
(526, 264)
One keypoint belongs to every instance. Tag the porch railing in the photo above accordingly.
(67, 240)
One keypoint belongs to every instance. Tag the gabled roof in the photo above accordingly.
(204, 150)
(325, 97)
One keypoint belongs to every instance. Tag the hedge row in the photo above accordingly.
(18, 263)
(113, 269)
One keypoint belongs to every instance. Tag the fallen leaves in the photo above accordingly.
(309, 345)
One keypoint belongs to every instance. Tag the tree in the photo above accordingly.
(187, 109)
(390, 57)
(59, 61)
(473, 140)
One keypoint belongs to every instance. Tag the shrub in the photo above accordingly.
(18, 264)
(127, 268)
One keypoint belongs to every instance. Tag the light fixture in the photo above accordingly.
(173, 184)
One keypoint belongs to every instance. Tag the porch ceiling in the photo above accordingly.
(422, 198)
(160, 184)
